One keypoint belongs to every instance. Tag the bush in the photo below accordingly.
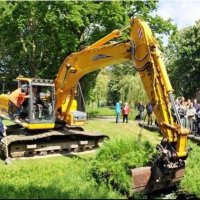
(115, 159)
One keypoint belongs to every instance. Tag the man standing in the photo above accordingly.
(195, 104)
(140, 109)
(182, 113)
(117, 110)
(149, 113)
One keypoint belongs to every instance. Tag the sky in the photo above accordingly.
(183, 12)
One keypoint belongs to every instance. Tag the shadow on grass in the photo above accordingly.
(67, 155)
(31, 191)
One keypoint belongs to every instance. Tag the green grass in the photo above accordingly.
(190, 183)
(93, 112)
(125, 130)
(67, 177)
(7, 122)
(191, 180)
(84, 176)
(61, 177)
(105, 111)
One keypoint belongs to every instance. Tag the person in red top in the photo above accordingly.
(125, 112)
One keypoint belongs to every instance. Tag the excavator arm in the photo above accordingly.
(168, 167)
(78, 64)
(142, 50)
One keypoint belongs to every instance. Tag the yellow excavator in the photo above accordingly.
(50, 127)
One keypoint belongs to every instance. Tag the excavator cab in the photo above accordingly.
(36, 107)
(32, 105)
(40, 102)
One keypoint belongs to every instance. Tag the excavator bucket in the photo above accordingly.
(149, 179)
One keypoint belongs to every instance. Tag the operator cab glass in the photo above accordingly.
(38, 106)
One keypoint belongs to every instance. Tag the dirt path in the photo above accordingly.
(109, 118)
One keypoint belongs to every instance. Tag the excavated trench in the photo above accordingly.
(172, 193)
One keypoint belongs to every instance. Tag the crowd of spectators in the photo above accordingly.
(189, 112)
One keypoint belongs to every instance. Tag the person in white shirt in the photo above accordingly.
(190, 113)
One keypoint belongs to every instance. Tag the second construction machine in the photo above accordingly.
(49, 127)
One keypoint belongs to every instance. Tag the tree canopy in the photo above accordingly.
(183, 61)
(36, 36)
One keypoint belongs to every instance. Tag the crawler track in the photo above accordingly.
(27, 144)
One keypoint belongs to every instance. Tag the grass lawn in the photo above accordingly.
(124, 130)
(93, 112)
(191, 181)
(105, 111)
(63, 177)
(70, 177)
(7, 122)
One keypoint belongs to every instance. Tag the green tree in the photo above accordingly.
(131, 89)
(137, 8)
(100, 91)
(117, 74)
(125, 84)
(183, 61)
(36, 36)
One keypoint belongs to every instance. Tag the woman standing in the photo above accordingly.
(125, 112)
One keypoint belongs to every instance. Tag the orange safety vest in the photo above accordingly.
(17, 97)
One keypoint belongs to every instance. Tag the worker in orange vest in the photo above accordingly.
(17, 98)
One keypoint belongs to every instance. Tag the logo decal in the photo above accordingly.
(140, 33)
(100, 56)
